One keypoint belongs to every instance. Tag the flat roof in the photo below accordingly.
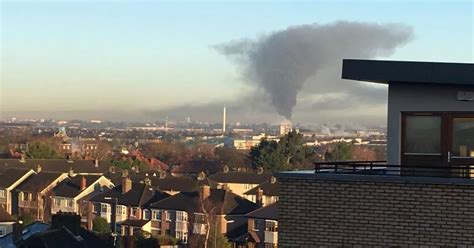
(383, 71)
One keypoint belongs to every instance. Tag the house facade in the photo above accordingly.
(127, 201)
(186, 215)
(34, 194)
(9, 180)
(72, 194)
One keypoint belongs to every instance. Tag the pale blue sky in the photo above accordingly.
(134, 56)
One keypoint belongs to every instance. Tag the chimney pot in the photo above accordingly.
(83, 183)
(259, 197)
(38, 168)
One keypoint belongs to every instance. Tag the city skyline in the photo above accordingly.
(147, 60)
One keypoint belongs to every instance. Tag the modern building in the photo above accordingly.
(423, 196)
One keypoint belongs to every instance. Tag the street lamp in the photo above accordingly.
(114, 234)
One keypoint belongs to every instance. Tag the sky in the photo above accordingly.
(145, 60)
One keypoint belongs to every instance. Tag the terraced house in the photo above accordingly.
(72, 194)
(127, 201)
(34, 194)
(187, 215)
(9, 180)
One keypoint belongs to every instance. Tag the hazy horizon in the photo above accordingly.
(142, 61)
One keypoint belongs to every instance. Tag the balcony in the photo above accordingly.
(27, 204)
(381, 168)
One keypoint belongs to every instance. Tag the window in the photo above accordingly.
(146, 214)
(3, 231)
(199, 218)
(121, 210)
(156, 215)
(2, 193)
(134, 212)
(24, 196)
(271, 226)
(57, 202)
(105, 208)
(423, 135)
(181, 216)
(69, 203)
(182, 236)
(463, 137)
(167, 215)
(270, 245)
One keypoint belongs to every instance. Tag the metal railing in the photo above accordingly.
(382, 168)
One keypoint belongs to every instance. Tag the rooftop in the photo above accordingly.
(380, 71)
(71, 187)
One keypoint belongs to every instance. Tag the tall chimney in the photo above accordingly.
(259, 197)
(223, 120)
(204, 192)
(96, 162)
(126, 184)
(83, 183)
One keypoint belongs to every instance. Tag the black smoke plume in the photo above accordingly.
(282, 62)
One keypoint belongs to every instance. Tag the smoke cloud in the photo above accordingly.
(282, 62)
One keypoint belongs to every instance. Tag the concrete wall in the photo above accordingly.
(375, 211)
(418, 97)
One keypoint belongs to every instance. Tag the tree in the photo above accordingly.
(268, 155)
(363, 153)
(342, 151)
(100, 225)
(231, 157)
(40, 150)
(293, 147)
(290, 152)
(217, 239)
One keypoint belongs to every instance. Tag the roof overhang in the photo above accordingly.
(386, 72)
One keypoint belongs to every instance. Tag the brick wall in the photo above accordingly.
(326, 211)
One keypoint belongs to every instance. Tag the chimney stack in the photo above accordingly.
(204, 192)
(223, 120)
(126, 184)
(83, 183)
(259, 197)
(96, 163)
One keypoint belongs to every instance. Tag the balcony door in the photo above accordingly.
(437, 139)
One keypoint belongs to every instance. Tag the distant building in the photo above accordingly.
(285, 127)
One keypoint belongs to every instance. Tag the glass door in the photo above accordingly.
(461, 145)
(422, 143)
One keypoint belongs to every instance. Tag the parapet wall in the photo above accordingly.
(355, 210)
